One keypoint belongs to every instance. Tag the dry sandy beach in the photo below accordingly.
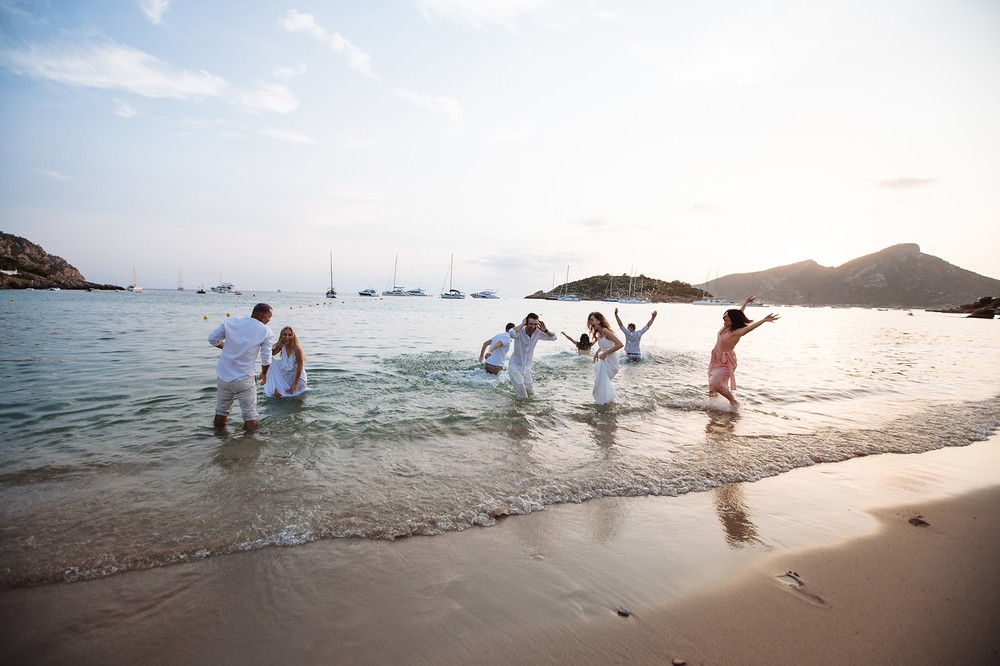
(822, 565)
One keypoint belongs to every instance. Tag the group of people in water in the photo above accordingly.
(283, 372)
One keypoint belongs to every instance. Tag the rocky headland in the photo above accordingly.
(25, 265)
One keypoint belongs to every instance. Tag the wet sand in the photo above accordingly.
(820, 565)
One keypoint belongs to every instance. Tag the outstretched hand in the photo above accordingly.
(772, 317)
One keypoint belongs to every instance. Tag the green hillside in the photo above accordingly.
(598, 287)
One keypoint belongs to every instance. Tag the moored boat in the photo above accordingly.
(485, 293)
(452, 294)
(134, 287)
(331, 292)
(713, 301)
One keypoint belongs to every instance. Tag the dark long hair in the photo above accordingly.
(737, 319)
(584, 344)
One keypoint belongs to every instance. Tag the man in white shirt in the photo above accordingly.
(633, 336)
(495, 351)
(526, 334)
(240, 341)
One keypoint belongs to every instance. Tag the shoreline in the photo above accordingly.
(698, 575)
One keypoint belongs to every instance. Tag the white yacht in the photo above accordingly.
(485, 293)
(224, 288)
(370, 291)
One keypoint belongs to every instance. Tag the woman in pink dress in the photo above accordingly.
(722, 365)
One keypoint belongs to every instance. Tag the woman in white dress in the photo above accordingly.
(286, 378)
(606, 363)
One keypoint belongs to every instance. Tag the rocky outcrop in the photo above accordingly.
(898, 276)
(26, 265)
(985, 308)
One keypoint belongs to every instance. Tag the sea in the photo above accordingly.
(109, 461)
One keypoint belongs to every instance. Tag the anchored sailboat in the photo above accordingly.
(331, 292)
(451, 294)
(566, 296)
(396, 289)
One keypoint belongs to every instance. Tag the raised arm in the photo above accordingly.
(748, 301)
(619, 319)
(740, 332)
(567, 337)
(651, 319)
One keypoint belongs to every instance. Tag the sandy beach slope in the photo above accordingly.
(822, 565)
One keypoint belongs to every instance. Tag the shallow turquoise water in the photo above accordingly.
(109, 461)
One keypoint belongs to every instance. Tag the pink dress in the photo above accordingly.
(722, 365)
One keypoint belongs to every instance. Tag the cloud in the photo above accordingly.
(268, 97)
(905, 183)
(441, 106)
(518, 260)
(107, 65)
(53, 174)
(481, 13)
(289, 72)
(592, 222)
(305, 23)
(125, 110)
(291, 136)
(699, 208)
(154, 9)
(110, 65)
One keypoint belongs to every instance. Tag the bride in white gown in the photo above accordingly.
(286, 378)
(606, 363)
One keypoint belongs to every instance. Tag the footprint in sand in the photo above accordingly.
(793, 580)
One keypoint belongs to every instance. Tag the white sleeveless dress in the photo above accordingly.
(604, 372)
(280, 376)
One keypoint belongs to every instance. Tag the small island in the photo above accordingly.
(620, 287)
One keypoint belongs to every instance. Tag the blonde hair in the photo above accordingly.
(294, 346)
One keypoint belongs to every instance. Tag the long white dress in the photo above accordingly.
(604, 372)
(280, 376)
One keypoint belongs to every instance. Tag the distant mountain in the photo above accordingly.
(25, 264)
(898, 276)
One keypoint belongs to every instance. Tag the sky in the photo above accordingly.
(683, 139)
